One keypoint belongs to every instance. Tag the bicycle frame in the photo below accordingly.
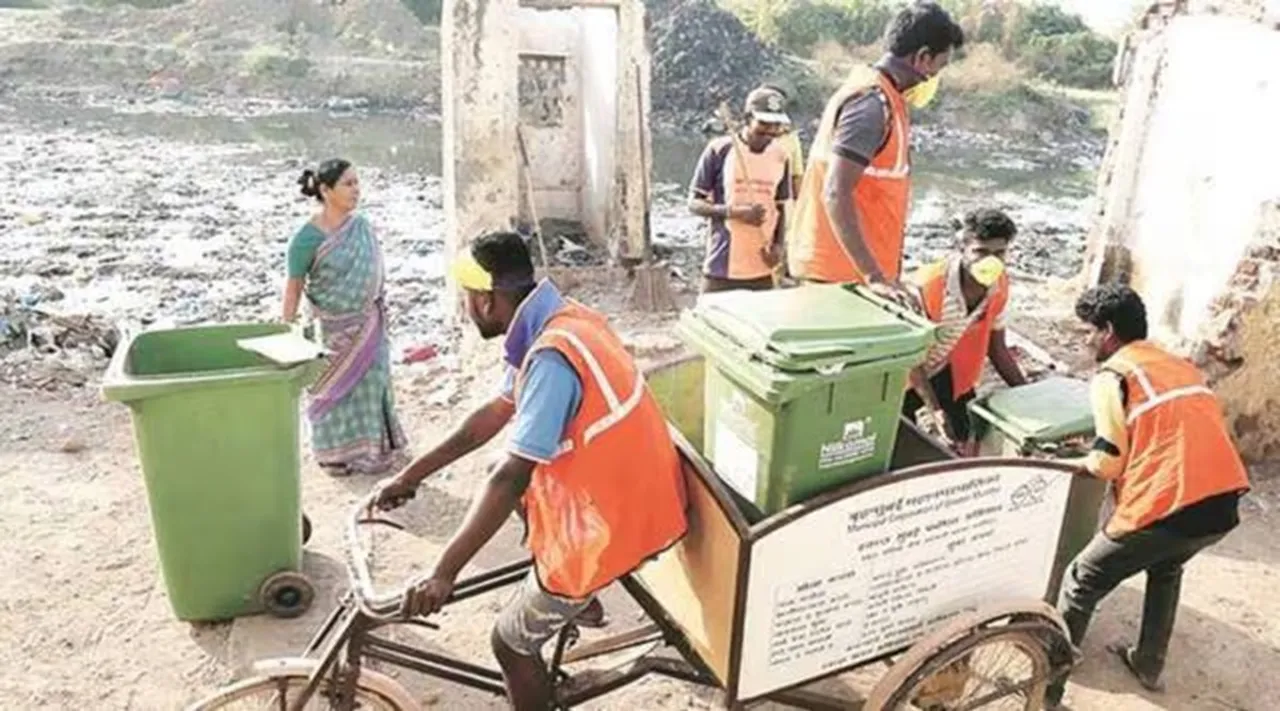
(348, 636)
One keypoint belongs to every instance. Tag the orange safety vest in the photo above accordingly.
(880, 196)
(969, 354)
(748, 178)
(614, 495)
(1180, 451)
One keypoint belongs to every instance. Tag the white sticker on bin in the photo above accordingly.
(735, 461)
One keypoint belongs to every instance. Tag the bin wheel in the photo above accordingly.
(286, 594)
(306, 529)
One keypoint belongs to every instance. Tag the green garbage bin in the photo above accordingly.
(803, 386)
(216, 432)
(1042, 416)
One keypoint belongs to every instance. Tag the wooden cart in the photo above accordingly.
(939, 569)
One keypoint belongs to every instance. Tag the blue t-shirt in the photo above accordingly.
(549, 399)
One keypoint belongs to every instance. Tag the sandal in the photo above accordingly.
(1126, 655)
(336, 470)
(592, 616)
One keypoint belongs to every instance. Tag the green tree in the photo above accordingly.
(1082, 59)
(807, 23)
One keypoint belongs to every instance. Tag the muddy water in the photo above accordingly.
(165, 213)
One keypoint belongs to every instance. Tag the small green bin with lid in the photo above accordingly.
(803, 386)
(1047, 416)
(216, 432)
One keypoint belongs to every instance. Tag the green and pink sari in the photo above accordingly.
(352, 406)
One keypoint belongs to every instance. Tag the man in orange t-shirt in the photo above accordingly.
(741, 185)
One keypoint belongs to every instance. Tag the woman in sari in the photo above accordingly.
(336, 261)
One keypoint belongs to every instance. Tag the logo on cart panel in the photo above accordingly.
(854, 445)
(1029, 494)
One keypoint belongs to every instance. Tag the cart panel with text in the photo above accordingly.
(856, 573)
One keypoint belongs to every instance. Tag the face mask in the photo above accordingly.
(921, 94)
(987, 271)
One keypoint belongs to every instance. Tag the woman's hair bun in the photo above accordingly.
(310, 185)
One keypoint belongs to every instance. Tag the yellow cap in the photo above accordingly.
(468, 273)
(987, 271)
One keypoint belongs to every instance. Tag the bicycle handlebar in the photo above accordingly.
(383, 606)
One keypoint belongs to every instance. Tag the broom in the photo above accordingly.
(528, 186)
(651, 288)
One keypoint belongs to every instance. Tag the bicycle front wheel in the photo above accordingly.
(278, 684)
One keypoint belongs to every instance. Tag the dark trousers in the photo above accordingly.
(712, 284)
(956, 409)
(1106, 562)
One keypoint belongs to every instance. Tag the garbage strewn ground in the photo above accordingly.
(86, 622)
(128, 204)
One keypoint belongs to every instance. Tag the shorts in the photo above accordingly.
(533, 616)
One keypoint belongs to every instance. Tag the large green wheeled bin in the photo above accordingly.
(803, 386)
(1048, 417)
(216, 432)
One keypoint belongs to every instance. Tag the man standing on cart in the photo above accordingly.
(590, 464)
(852, 209)
(1175, 477)
(965, 295)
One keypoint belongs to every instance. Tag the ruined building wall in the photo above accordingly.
(480, 166)
(573, 75)
(1190, 203)
(551, 100)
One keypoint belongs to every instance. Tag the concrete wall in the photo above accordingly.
(574, 74)
(1191, 207)
(551, 105)
(480, 163)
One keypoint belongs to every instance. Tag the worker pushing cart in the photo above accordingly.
(590, 463)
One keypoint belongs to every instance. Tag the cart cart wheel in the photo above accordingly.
(1001, 659)
(306, 529)
(277, 683)
(286, 594)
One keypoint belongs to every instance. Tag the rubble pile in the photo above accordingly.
(702, 54)
(40, 348)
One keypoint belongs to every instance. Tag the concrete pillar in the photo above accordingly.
(481, 164)
(634, 140)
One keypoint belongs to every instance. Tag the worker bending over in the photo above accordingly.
(741, 185)
(965, 295)
(590, 462)
(1175, 477)
(852, 209)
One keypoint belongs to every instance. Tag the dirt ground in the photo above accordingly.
(87, 625)
(166, 210)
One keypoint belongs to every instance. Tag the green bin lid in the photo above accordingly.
(815, 325)
(1048, 410)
